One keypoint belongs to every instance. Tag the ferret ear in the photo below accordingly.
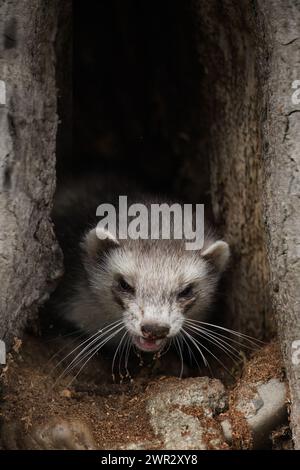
(98, 240)
(218, 255)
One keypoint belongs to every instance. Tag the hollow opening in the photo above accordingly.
(165, 94)
(140, 107)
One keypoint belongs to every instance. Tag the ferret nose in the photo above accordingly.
(154, 330)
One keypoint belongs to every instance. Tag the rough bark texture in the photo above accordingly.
(227, 48)
(30, 258)
(252, 57)
(281, 185)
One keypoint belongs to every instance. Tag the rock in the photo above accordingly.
(182, 413)
(263, 405)
(64, 435)
(55, 434)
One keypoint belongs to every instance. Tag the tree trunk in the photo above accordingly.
(281, 184)
(252, 57)
(30, 257)
(232, 94)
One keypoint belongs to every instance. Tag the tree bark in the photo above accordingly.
(29, 254)
(231, 93)
(281, 184)
(251, 54)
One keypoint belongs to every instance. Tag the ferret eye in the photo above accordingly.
(186, 293)
(124, 286)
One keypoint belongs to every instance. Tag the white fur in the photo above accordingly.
(157, 270)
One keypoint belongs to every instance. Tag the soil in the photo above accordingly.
(263, 365)
(114, 412)
(34, 393)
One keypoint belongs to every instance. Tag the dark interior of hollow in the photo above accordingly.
(139, 98)
(138, 105)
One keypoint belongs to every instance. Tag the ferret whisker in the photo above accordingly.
(187, 345)
(129, 345)
(211, 353)
(165, 348)
(90, 340)
(251, 339)
(192, 340)
(73, 351)
(240, 343)
(181, 342)
(57, 353)
(192, 355)
(88, 349)
(197, 345)
(115, 355)
(216, 342)
(122, 349)
(210, 334)
(72, 333)
(90, 354)
(180, 355)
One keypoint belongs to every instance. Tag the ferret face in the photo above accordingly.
(153, 286)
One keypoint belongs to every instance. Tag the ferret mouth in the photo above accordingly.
(148, 345)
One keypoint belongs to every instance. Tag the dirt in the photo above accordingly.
(114, 412)
(32, 396)
(282, 438)
(265, 364)
(209, 423)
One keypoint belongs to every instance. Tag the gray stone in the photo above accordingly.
(181, 413)
(264, 408)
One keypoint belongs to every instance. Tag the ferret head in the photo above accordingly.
(152, 285)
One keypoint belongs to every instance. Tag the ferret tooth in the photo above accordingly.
(142, 340)
(158, 341)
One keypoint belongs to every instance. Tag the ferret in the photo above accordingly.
(143, 289)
